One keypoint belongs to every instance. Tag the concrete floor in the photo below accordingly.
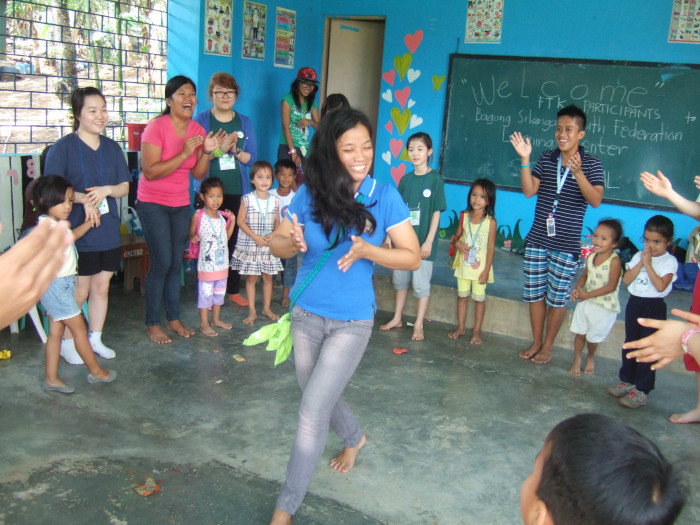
(452, 429)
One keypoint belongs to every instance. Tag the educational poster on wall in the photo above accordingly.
(217, 27)
(484, 22)
(254, 25)
(285, 36)
(685, 22)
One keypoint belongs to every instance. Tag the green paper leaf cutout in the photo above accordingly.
(402, 63)
(284, 350)
(437, 82)
(262, 335)
(401, 118)
(404, 155)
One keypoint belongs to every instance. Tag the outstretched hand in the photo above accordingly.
(298, 235)
(355, 253)
(29, 267)
(522, 146)
(664, 345)
(660, 185)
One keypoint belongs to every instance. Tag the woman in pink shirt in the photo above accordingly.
(173, 146)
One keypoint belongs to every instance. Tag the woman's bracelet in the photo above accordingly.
(525, 165)
(292, 151)
(686, 337)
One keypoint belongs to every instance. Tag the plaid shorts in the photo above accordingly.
(548, 276)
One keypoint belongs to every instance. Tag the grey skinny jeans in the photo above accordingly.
(326, 354)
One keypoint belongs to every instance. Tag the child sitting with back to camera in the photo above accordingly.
(53, 198)
(285, 171)
(211, 229)
(475, 241)
(597, 293)
(649, 278)
(594, 470)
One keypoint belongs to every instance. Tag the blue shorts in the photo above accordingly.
(548, 276)
(59, 299)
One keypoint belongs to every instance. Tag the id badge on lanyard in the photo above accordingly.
(103, 207)
(227, 162)
(561, 179)
(219, 256)
(415, 216)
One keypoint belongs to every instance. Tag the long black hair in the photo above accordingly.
(490, 191)
(294, 90)
(328, 181)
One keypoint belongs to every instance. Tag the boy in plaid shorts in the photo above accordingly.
(566, 180)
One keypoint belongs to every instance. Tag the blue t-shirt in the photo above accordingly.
(333, 294)
(84, 167)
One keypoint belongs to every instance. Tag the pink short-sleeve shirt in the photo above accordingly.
(174, 189)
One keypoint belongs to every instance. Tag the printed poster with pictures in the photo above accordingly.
(285, 36)
(254, 26)
(484, 22)
(685, 22)
(218, 27)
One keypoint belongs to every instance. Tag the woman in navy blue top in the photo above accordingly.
(96, 168)
(340, 209)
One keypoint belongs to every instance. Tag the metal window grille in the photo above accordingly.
(49, 48)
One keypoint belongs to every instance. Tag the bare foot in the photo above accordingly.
(270, 314)
(286, 301)
(528, 353)
(590, 367)
(157, 335)
(456, 334)
(689, 417)
(219, 323)
(476, 338)
(344, 461)
(180, 329)
(209, 331)
(542, 357)
(394, 323)
(250, 319)
(575, 369)
(279, 517)
(417, 333)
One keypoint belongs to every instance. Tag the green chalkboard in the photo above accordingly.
(641, 117)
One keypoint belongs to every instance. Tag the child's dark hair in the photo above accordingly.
(661, 225)
(259, 165)
(49, 191)
(285, 163)
(599, 471)
(574, 112)
(615, 226)
(490, 191)
(209, 183)
(334, 101)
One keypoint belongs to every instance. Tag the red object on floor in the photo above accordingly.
(400, 350)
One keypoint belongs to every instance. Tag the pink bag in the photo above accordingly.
(194, 246)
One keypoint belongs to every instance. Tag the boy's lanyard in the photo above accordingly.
(267, 205)
(82, 163)
(561, 179)
(471, 235)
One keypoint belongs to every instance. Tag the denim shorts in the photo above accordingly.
(59, 299)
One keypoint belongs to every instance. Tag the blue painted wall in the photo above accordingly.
(596, 29)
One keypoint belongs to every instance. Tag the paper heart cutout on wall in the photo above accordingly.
(389, 126)
(412, 41)
(396, 145)
(402, 96)
(386, 157)
(401, 118)
(398, 173)
(402, 63)
(415, 121)
(386, 95)
(410, 103)
(389, 77)
(412, 74)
